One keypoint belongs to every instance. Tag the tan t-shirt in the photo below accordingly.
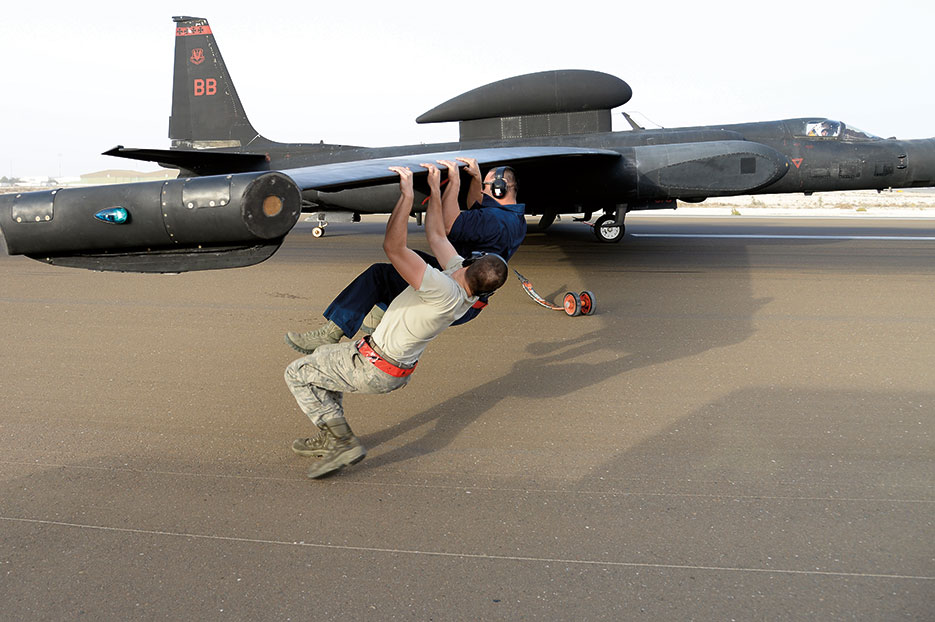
(415, 317)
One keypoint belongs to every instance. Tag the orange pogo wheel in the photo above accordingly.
(587, 302)
(572, 304)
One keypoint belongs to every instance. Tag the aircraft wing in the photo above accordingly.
(209, 222)
(346, 175)
(201, 161)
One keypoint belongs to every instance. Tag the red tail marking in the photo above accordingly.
(204, 86)
(191, 31)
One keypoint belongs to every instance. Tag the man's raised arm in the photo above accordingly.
(406, 261)
(476, 190)
(450, 208)
(435, 231)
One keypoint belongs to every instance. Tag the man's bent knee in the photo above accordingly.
(293, 374)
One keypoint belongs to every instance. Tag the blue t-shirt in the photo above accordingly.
(489, 227)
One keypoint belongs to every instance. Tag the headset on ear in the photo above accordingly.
(475, 255)
(499, 186)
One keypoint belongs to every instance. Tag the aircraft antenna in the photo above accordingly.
(630, 121)
(633, 124)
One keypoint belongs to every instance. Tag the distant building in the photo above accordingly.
(33, 182)
(115, 176)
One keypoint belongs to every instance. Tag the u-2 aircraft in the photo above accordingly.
(238, 194)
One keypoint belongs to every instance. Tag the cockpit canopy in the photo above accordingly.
(828, 129)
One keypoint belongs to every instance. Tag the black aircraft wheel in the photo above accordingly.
(317, 232)
(571, 304)
(587, 302)
(606, 231)
(546, 220)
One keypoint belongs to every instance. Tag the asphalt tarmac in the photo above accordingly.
(744, 430)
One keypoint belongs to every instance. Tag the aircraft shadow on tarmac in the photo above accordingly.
(804, 477)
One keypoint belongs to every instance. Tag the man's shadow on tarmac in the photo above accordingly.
(557, 368)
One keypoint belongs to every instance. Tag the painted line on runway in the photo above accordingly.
(742, 236)
(480, 556)
(678, 495)
(470, 489)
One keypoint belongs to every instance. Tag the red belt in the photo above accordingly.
(364, 347)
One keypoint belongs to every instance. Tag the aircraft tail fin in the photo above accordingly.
(206, 111)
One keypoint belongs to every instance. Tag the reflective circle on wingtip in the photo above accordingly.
(272, 206)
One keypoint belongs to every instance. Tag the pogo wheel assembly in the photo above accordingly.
(572, 304)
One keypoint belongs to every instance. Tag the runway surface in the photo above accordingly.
(744, 430)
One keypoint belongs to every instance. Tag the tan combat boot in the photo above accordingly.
(346, 449)
(372, 320)
(307, 342)
(315, 446)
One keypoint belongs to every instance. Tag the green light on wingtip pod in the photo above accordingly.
(113, 215)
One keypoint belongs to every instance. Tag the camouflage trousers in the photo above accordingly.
(318, 381)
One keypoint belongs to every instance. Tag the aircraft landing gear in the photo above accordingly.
(607, 229)
(546, 220)
(324, 218)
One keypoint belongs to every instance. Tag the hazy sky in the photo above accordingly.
(81, 78)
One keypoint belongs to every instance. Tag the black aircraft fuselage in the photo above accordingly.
(850, 160)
